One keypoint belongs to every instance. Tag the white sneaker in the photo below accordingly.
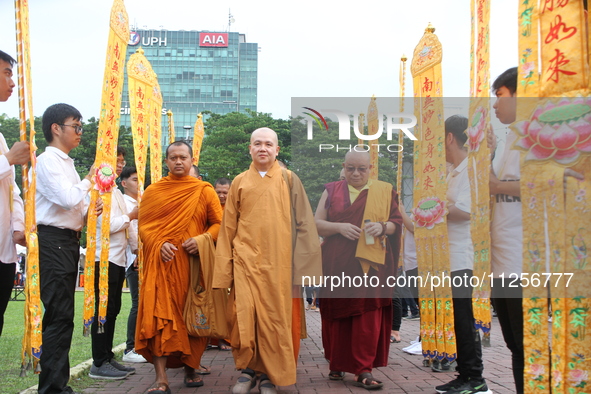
(416, 340)
(416, 348)
(132, 357)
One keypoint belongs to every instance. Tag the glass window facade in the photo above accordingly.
(195, 77)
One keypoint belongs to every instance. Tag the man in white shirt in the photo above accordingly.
(129, 183)
(12, 215)
(104, 365)
(461, 257)
(61, 201)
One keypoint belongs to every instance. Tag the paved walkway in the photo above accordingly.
(404, 373)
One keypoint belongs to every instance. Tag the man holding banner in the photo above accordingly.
(12, 215)
(62, 203)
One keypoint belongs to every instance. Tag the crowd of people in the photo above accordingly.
(265, 239)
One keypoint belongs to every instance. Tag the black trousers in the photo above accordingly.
(7, 272)
(508, 303)
(132, 282)
(102, 344)
(469, 348)
(59, 251)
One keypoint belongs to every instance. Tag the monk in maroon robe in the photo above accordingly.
(360, 222)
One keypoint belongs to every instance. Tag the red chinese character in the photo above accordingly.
(549, 5)
(115, 66)
(480, 11)
(140, 131)
(140, 105)
(481, 37)
(111, 115)
(109, 134)
(140, 118)
(427, 116)
(555, 30)
(108, 147)
(139, 93)
(428, 183)
(429, 135)
(112, 99)
(117, 53)
(427, 85)
(555, 63)
(430, 148)
(114, 82)
(428, 168)
(428, 102)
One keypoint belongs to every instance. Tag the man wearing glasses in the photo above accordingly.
(61, 202)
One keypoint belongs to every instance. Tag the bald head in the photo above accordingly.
(263, 148)
(357, 167)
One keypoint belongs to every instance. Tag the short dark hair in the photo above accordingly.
(5, 57)
(222, 181)
(457, 125)
(57, 113)
(507, 79)
(180, 143)
(121, 151)
(197, 173)
(127, 172)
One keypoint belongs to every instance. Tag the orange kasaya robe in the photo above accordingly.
(254, 257)
(172, 210)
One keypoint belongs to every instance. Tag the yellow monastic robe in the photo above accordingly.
(254, 257)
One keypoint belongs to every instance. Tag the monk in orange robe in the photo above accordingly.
(173, 213)
(254, 257)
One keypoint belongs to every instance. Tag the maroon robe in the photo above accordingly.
(356, 331)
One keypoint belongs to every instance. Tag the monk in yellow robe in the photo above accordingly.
(173, 213)
(361, 225)
(254, 257)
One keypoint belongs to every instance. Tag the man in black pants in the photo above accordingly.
(461, 257)
(61, 203)
(12, 216)
(104, 365)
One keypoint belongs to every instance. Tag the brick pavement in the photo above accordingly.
(404, 373)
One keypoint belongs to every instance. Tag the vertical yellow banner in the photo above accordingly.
(479, 161)
(31, 344)
(156, 132)
(198, 134)
(554, 133)
(430, 188)
(170, 126)
(105, 162)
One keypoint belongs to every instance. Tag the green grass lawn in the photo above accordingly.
(12, 334)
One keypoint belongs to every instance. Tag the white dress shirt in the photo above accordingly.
(118, 233)
(461, 249)
(61, 197)
(131, 231)
(9, 221)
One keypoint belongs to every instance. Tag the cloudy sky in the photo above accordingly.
(320, 48)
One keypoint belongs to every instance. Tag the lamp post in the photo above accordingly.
(188, 137)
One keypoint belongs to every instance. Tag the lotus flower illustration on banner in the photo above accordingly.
(560, 131)
(104, 178)
(429, 212)
(477, 129)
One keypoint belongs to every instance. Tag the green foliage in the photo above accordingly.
(83, 155)
(12, 334)
(225, 147)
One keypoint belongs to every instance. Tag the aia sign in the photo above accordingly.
(213, 39)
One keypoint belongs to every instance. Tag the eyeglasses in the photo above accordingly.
(362, 170)
(77, 129)
(122, 162)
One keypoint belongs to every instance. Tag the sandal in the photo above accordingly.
(394, 340)
(266, 387)
(367, 381)
(244, 383)
(193, 380)
(224, 346)
(202, 370)
(336, 375)
(158, 386)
